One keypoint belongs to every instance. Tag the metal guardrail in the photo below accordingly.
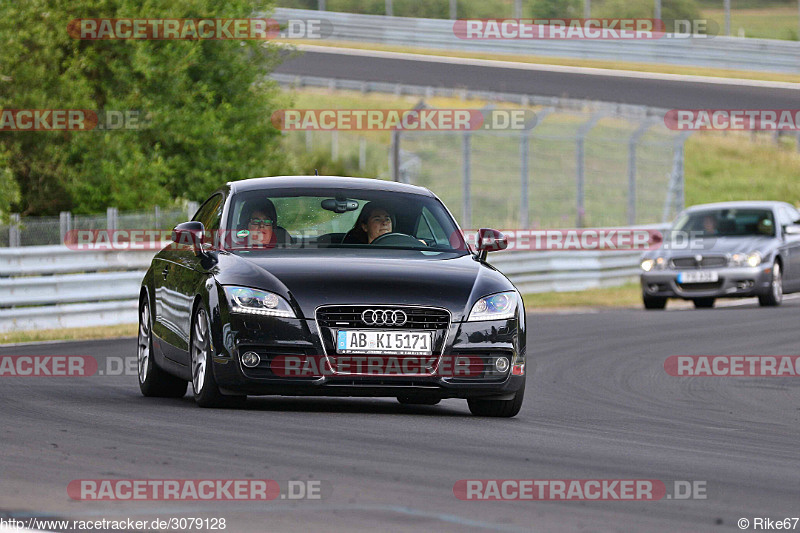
(716, 52)
(101, 288)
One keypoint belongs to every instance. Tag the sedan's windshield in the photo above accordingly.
(727, 222)
(341, 218)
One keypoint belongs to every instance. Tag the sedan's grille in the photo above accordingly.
(349, 316)
(711, 261)
(689, 287)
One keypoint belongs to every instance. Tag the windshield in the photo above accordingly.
(341, 218)
(727, 222)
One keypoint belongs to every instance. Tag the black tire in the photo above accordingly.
(153, 380)
(498, 408)
(204, 384)
(704, 303)
(774, 297)
(409, 400)
(654, 302)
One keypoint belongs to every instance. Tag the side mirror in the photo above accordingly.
(792, 229)
(490, 240)
(190, 234)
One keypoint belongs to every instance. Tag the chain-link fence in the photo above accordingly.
(571, 170)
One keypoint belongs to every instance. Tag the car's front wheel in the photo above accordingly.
(498, 408)
(204, 384)
(153, 381)
(704, 303)
(775, 295)
(654, 302)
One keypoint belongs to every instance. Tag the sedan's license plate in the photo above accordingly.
(698, 277)
(384, 342)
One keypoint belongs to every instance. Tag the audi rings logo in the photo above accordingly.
(383, 317)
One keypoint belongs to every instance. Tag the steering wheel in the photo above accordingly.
(397, 239)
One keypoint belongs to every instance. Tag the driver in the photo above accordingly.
(375, 220)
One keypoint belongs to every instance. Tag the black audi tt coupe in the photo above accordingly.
(330, 286)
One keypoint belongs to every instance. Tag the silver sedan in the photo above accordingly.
(726, 250)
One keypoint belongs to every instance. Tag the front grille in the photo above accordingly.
(689, 287)
(711, 261)
(331, 319)
(425, 318)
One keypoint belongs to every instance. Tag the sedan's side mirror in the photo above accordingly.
(490, 240)
(190, 234)
(792, 229)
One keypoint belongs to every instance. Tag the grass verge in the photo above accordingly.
(629, 295)
(70, 334)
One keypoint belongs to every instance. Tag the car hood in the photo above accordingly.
(719, 246)
(310, 280)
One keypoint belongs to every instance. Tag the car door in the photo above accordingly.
(178, 280)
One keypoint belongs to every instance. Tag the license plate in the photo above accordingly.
(384, 342)
(698, 277)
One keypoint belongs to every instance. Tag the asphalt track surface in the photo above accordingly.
(670, 94)
(598, 405)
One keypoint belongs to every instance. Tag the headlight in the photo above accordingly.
(495, 307)
(649, 264)
(738, 260)
(257, 302)
(754, 259)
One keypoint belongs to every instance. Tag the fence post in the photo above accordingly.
(675, 191)
(657, 10)
(362, 153)
(633, 141)
(157, 217)
(191, 209)
(13, 231)
(517, 9)
(395, 155)
(111, 218)
(335, 145)
(321, 5)
(309, 141)
(524, 145)
(389, 10)
(453, 9)
(466, 152)
(587, 9)
(580, 186)
(65, 224)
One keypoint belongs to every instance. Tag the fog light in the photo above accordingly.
(250, 359)
(501, 364)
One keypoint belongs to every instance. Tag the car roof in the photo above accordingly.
(298, 182)
(754, 204)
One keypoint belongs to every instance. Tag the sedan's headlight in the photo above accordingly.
(754, 259)
(647, 264)
(257, 302)
(738, 260)
(498, 306)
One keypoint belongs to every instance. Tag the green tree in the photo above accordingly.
(205, 106)
(555, 9)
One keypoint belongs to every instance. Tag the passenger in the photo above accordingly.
(375, 220)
